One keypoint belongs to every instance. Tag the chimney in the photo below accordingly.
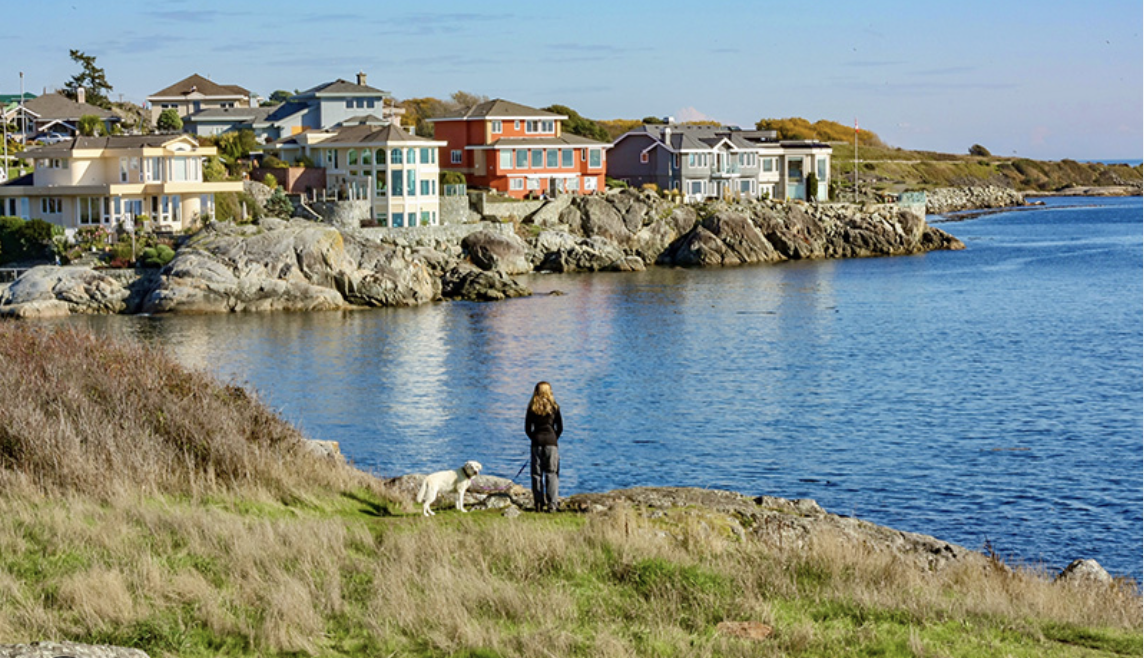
(80, 95)
(361, 78)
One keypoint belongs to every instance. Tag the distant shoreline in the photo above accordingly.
(1111, 190)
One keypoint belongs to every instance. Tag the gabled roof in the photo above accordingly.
(702, 138)
(58, 106)
(64, 149)
(198, 84)
(341, 87)
(286, 110)
(374, 135)
(498, 108)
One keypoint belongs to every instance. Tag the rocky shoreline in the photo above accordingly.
(300, 265)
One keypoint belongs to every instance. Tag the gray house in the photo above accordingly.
(705, 162)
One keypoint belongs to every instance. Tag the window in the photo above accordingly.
(51, 206)
(411, 156)
(595, 158)
(550, 156)
(506, 159)
(123, 170)
(644, 157)
(380, 183)
(745, 186)
(332, 159)
(398, 183)
(395, 156)
(411, 182)
(380, 156)
(427, 155)
(534, 183)
(426, 187)
(366, 157)
(537, 158)
(573, 184)
(88, 210)
(522, 159)
(349, 104)
(455, 156)
(180, 170)
(821, 168)
(768, 164)
(497, 128)
(369, 103)
(794, 169)
(516, 124)
(589, 183)
(695, 187)
(566, 158)
(516, 183)
(675, 161)
(398, 219)
(424, 217)
(351, 158)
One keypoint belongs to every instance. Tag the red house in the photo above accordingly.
(519, 150)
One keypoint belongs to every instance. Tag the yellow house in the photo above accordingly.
(106, 181)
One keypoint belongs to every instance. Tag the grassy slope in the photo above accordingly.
(247, 546)
(896, 170)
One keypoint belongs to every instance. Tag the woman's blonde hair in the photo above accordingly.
(543, 403)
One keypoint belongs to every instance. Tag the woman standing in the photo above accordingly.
(543, 425)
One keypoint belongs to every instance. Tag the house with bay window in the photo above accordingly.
(395, 171)
(706, 162)
(106, 181)
(519, 150)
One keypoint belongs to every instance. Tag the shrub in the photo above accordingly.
(979, 151)
(269, 180)
(452, 178)
(156, 256)
(25, 240)
(273, 162)
(278, 205)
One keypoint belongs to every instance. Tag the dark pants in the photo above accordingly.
(545, 473)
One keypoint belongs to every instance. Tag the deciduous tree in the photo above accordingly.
(169, 121)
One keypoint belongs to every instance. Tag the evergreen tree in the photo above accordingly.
(92, 78)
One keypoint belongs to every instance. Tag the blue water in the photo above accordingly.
(987, 395)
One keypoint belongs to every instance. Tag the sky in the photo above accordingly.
(1046, 80)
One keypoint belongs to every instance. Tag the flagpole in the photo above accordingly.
(855, 160)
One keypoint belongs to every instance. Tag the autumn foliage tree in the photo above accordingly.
(822, 131)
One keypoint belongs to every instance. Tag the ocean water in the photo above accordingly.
(987, 395)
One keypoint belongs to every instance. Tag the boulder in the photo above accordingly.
(725, 238)
(500, 252)
(472, 284)
(1080, 573)
(50, 290)
(67, 650)
(588, 255)
(600, 218)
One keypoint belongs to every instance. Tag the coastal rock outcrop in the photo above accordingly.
(497, 251)
(295, 265)
(52, 291)
(951, 199)
(466, 282)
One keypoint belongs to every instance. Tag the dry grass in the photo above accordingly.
(85, 415)
(222, 538)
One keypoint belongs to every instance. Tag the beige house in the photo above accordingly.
(106, 181)
(196, 93)
(397, 172)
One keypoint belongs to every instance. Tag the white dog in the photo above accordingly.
(445, 481)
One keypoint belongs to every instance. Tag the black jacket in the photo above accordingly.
(543, 430)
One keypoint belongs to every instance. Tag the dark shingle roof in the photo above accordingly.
(373, 135)
(204, 86)
(64, 149)
(499, 108)
(341, 87)
(58, 106)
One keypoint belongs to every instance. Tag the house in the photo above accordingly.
(215, 121)
(195, 94)
(704, 162)
(519, 150)
(332, 104)
(395, 171)
(104, 181)
(55, 113)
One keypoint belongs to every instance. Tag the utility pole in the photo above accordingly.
(23, 114)
(855, 160)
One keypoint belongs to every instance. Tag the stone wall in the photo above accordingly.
(455, 210)
(342, 214)
(502, 208)
(431, 234)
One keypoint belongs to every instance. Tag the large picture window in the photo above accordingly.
(506, 159)
(522, 159)
(595, 158)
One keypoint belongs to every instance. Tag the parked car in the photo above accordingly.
(52, 138)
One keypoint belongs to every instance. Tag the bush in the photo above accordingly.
(273, 162)
(25, 240)
(979, 151)
(278, 205)
(452, 178)
(269, 180)
(157, 256)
